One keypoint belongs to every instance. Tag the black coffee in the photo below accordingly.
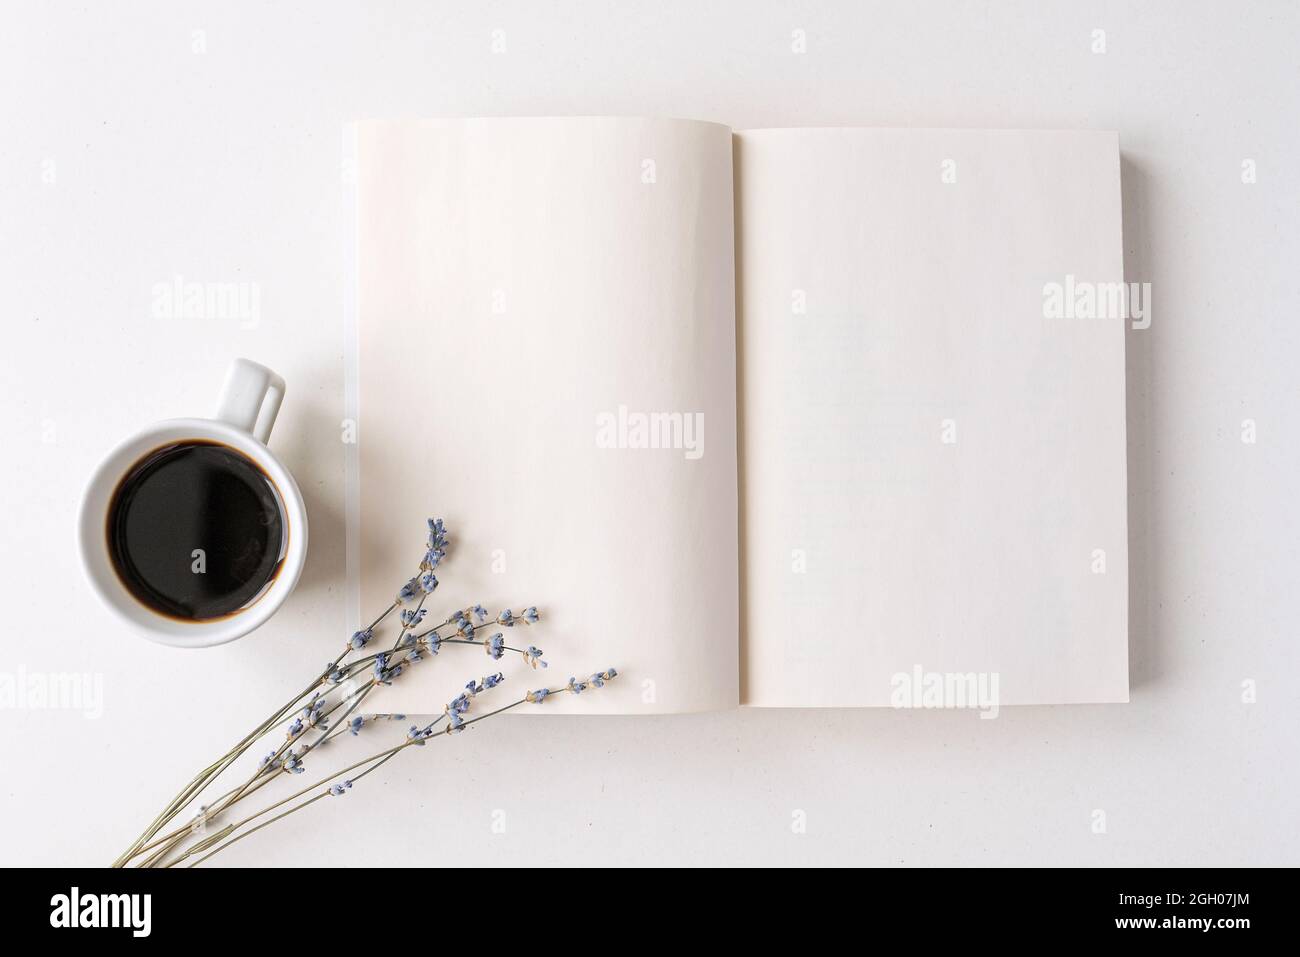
(196, 530)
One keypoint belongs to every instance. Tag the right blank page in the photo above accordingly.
(933, 456)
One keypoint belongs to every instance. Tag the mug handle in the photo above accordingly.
(250, 399)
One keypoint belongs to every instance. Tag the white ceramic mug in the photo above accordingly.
(250, 401)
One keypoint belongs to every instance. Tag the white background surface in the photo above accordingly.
(224, 166)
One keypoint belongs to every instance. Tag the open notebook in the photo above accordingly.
(765, 417)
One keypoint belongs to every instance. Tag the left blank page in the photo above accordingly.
(546, 359)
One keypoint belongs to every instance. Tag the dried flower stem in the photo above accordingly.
(375, 760)
(317, 709)
(212, 771)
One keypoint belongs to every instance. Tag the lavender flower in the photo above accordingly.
(292, 764)
(312, 713)
(433, 642)
(356, 724)
(409, 591)
(437, 544)
(574, 686)
(506, 618)
(361, 638)
(384, 674)
(491, 681)
(458, 706)
(530, 615)
(338, 790)
(428, 583)
(534, 657)
(479, 612)
(495, 646)
(294, 729)
(412, 616)
(417, 735)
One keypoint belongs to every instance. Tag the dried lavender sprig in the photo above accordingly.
(412, 653)
(275, 763)
(271, 765)
(205, 777)
(167, 844)
(431, 639)
(415, 736)
(316, 713)
(294, 761)
(596, 680)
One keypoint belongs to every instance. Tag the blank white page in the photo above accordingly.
(531, 292)
(933, 470)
